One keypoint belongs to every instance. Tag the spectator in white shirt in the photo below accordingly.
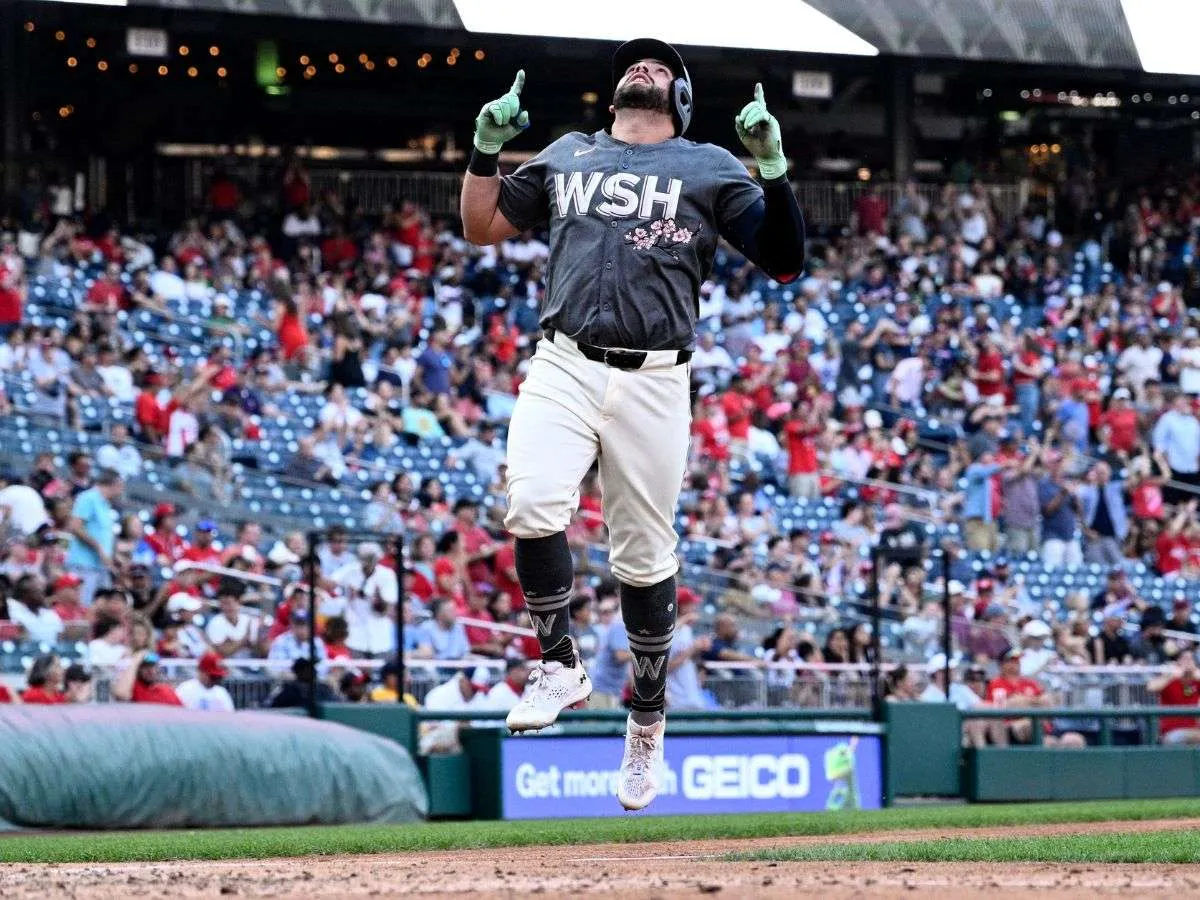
(710, 359)
(524, 249)
(302, 223)
(231, 632)
(1188, 358)
(1177, 436)
(337, 414)
(975, 731)
(460, 692)
(14, 351)
(774, 341)
(805, 319)
(504, 696)
(117, 378)
(334, 555)
(108, 647)
(166, 282)
(28, 608)
(20, 505)
(183, 428)
(120, 455)
(371, 593)
(907, 381)
(205, 691)
(1140, 362)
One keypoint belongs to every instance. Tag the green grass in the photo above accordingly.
(1145, 847)
(270, 842)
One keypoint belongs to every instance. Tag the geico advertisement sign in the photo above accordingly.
(559, 776)
(761, 776)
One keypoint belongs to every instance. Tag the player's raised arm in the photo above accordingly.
(498, 122)
(771, 231)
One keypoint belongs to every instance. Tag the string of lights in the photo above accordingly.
(306, 70)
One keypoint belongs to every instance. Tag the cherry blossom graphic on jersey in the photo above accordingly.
(659, 233)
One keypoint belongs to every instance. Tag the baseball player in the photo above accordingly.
(634, 214)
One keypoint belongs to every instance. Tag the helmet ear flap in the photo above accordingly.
(682, 105)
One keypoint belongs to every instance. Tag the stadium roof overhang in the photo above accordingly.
(1141, 35)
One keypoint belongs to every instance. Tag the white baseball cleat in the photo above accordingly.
(642, 765)
(552, 687)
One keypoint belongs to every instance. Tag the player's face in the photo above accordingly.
(644, 85)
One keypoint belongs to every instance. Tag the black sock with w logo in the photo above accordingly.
(547, 574)
(649, 615)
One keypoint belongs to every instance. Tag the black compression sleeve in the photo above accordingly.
(771, 232)
(781, 234)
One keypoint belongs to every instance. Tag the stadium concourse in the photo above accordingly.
(1021, 395)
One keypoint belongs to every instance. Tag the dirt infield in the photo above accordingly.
(673, 869)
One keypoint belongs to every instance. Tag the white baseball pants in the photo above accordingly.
(572, 411)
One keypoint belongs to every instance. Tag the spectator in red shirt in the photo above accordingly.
(166, 543)
(202, 550)
(297, 190)
(738, 408)
(45, 682)
(287, 321)
(107, 294)
(801, 432)
(224, 197)
(711, 428)
(1120, 423)
(484, 641)
(338, 251)
(1175, 544)
(141, 682)
(1027, 371)
(871, 212)
(12, 301)
(421, 575)
(988, 373)
(335, 633)
(1012, 689)
(478, 545)
(1179, 687)
(68, 604)
(450, 570)
(148, 412)
(506, 575)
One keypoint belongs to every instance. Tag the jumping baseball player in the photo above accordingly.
(634, 213)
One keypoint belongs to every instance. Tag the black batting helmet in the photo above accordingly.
(681, 88)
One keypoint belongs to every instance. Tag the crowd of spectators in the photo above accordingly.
(941, 372)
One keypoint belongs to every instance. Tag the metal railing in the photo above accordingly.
(378, 191)
(745, 685)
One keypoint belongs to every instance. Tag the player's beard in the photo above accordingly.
(641, 95)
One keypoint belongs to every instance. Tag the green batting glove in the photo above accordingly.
(759, 131)
(501, 120)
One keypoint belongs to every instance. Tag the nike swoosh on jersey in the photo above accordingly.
(583, 152)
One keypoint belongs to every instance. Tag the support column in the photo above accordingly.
(900, 108)
(11, 122)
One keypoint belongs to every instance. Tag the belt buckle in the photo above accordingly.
(607, 351)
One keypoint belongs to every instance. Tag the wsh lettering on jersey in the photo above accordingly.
(623, 195)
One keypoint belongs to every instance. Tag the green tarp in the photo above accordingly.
(144, 766)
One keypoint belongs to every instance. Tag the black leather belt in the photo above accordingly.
(618, 359)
